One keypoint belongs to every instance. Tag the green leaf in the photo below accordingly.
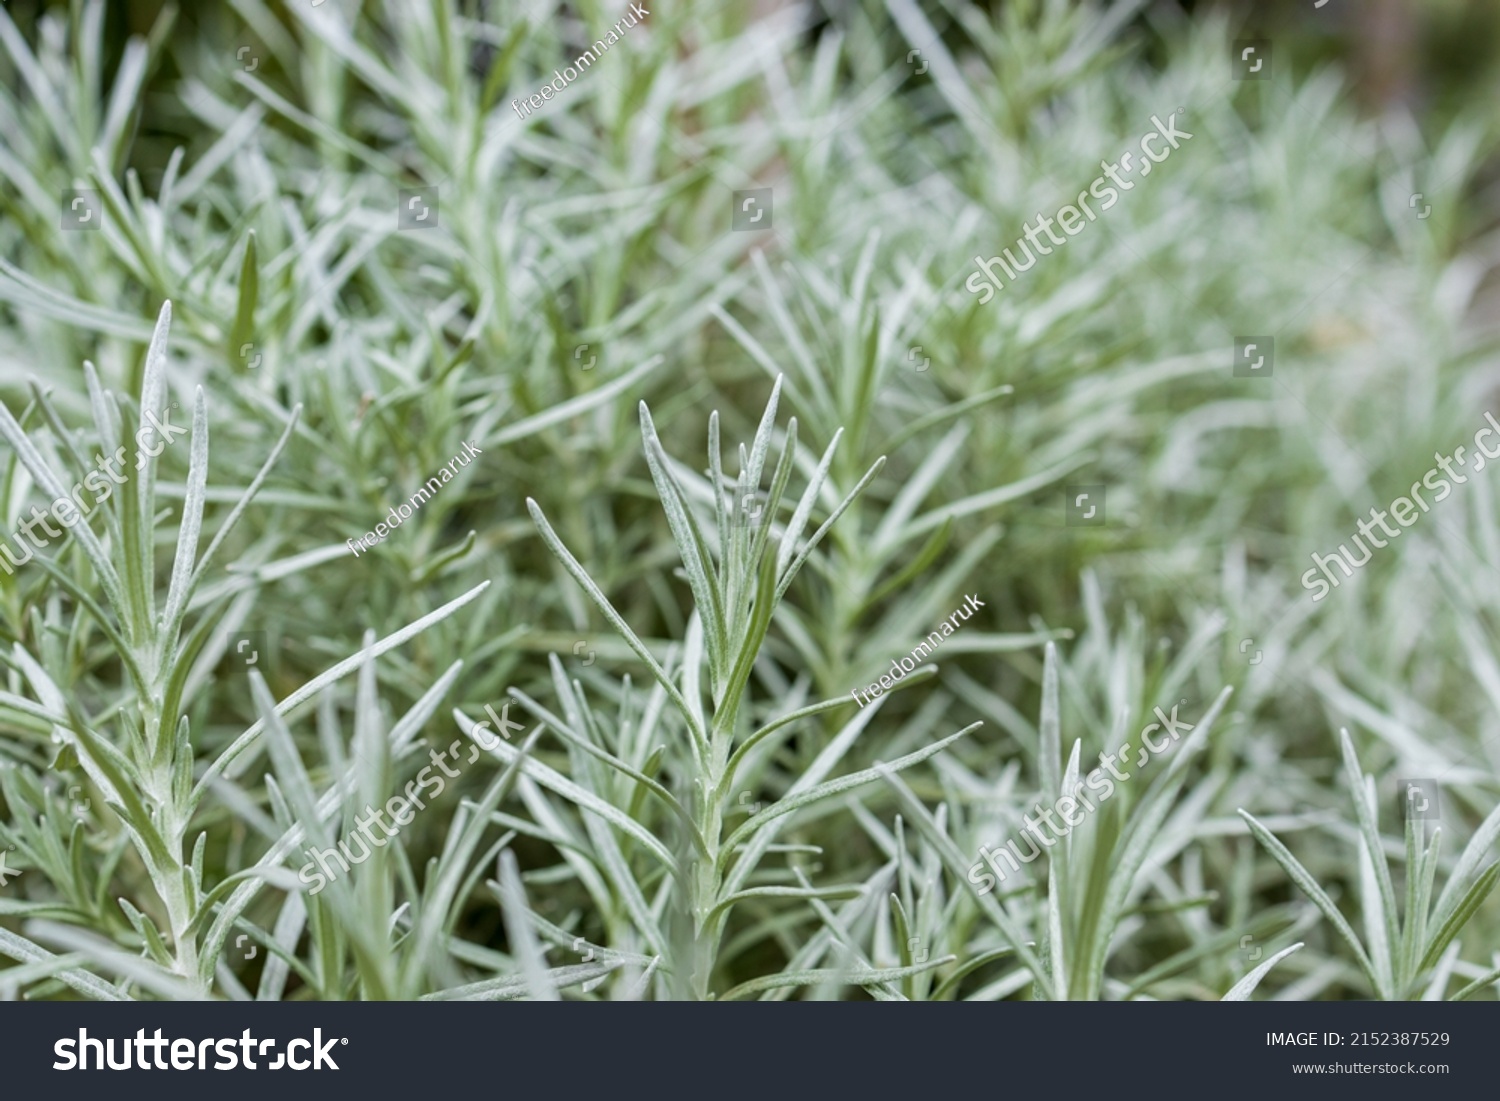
(1375, 852)
(957, 867)
(519, 935)
(834, 975)
(586, 800)
(1241, 991)
(692, 547)
(617, 621)
(1309, 886)
(1049, 752)
(1487, 979)
(29, 952)
(831, 788)
(329, 676)
(1466, 865)
(178, 592)
(1453, 924)
(242, 330)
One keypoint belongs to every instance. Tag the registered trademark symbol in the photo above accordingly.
(345, 1040)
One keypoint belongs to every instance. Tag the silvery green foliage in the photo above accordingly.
(738, 568)
(1406, 948)
(697, 807)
